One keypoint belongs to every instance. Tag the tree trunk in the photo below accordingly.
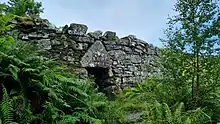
(197, 79)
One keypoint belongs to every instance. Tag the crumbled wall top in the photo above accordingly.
(128, 60)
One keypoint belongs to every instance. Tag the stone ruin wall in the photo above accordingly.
(115, 63)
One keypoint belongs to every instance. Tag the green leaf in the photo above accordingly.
(2, 6)
(14, 71)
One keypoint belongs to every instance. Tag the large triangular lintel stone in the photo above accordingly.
(96, 56)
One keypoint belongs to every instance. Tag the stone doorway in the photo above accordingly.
(100, 75)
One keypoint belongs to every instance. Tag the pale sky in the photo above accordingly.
(144, 18)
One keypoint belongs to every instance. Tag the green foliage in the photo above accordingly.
(147, 99)
(190, 64)
(116, 39)
(42, 91)
(6, 108)
(4, 19)
(24, 7)
(5, 39)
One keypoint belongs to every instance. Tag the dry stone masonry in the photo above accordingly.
(113, 62)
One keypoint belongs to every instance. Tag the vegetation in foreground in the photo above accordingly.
(37, 90)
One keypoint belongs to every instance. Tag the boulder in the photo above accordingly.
(77, 29)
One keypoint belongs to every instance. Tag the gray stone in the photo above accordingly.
(124, 41)
(55, 42)
(44, 44)
(127, 49)
(96, 56)
(151, 49)
(24, 37)
(65, 29)
(109, 43)
(69, 58)
(117, 70)
(128, 40)
(140, 47)
(80, 46)
(133, 117)
(117, 54)
(51, 35)
(141, 43)
(84, 39)
(127, 74)
(81, 72)
(109, 35)
(135, 59)
(138, 51)
(118, 81)
(77, 46)
(133, 68)
(72, 44)
(77, 29)
(157, 51)
(115, 63)
(35, 36)
(133, 44)
(110, 73)
(96, 34)
(109, 47)
(42, 22)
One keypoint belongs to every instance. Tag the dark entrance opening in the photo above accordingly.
(100, 75)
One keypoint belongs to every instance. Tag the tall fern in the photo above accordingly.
(6, 108)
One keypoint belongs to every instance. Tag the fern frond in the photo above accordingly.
(178, 112)
(168, 113)
(68, 119)
(158, 112)
(14, 71)
(77, 90)
(6, 108)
